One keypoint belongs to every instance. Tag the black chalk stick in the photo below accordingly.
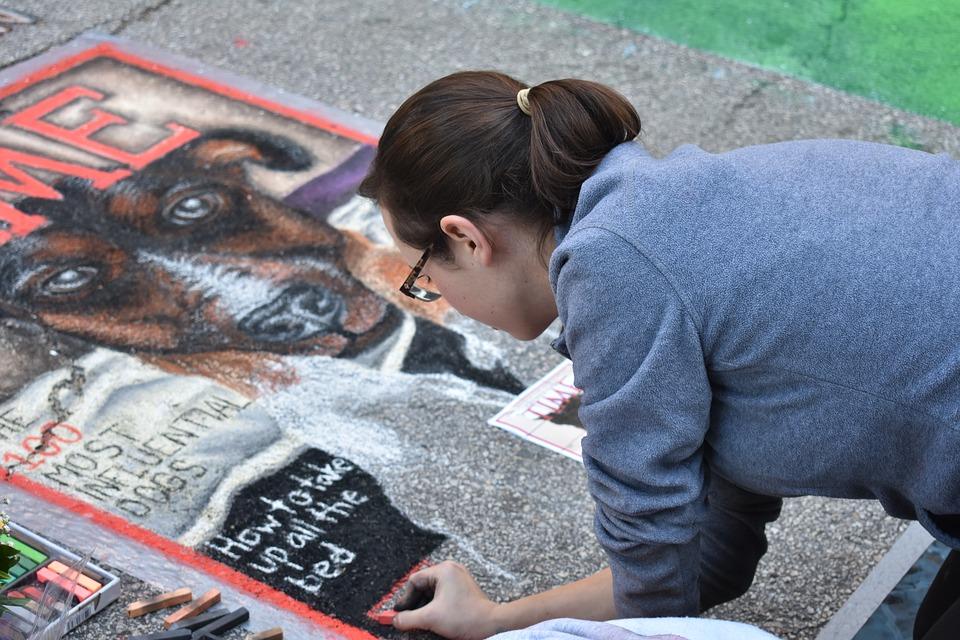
(200, 621)
(224, 623)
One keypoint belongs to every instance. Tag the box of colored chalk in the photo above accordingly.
(47, 579)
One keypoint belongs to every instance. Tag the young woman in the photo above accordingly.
(777, 320)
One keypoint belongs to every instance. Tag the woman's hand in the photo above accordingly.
(456, 606)
(446, 600)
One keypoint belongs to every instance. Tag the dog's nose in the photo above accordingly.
(298, 313)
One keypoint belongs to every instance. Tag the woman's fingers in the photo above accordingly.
(417, 603)
(455, 607)
(422, 618)
(414, 597)
(418, 591)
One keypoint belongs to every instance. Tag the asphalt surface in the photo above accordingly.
(365, 58)
(113, 622)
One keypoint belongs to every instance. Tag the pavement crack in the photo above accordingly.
(138, 15)
(124, 22)
(73, 383)
(747, 100)
(38, 52)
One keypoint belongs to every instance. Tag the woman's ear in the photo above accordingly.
(467, 241)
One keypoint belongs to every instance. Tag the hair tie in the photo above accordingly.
(523, 101)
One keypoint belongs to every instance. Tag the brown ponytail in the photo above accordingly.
(462, 145)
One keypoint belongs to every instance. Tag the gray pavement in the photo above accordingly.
(113, 622)
(365, 57)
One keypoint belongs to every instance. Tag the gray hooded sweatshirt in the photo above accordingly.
(785, 316)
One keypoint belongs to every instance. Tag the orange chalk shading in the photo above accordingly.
(162, 601)
(196, 607)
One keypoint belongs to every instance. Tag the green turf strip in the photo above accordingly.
(902, 52)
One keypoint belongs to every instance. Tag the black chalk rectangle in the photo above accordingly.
(222, 625)
(193, 624)
(173, 634)
(340, 554)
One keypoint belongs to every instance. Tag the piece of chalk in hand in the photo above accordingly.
(386, 617)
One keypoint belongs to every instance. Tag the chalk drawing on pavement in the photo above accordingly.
(196, 308)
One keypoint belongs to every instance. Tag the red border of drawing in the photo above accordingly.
(114, 522)
(108, 50)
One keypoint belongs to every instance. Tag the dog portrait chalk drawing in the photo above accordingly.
(192, 296)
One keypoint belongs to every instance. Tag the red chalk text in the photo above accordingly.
(36, 449)
(559, 395)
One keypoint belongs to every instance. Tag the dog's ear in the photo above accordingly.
(231, 146)
(74, 207)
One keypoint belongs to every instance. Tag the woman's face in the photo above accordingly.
(494, 280)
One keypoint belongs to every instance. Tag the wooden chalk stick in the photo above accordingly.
(386, 617)
(270, 634)
(196, 607)
(162, 601)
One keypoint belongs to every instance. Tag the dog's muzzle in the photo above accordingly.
(300, 312)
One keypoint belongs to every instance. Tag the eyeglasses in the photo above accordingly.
(409, 286)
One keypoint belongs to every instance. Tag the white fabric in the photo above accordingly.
(694, 628)
(638, 629)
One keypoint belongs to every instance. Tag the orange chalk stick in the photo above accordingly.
(270, 634)
(162, 601)
(45, 575)
(83, 580)
(386, 617)
(196, 607)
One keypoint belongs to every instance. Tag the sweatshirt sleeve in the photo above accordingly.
(637, 355)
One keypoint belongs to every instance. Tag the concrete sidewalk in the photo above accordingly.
(365, 57)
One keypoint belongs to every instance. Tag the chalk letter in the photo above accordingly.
(353, 497)
(31, 119)
(300, 498)
(227, 546)
(275, 555)
(269, 526)
(249, 538)
(339, 555)
(277, 505)
(311, 583)
(14, 222)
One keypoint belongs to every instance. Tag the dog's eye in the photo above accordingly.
(69, 280)
(193, 208)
